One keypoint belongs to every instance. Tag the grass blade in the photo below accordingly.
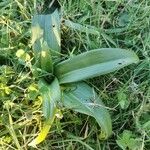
(82, 28)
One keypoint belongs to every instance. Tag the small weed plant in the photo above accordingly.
(63, 84)
(62, 81)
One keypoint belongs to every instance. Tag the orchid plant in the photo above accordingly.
(63, 82)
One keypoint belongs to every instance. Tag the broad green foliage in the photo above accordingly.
(45, 28)
(128, 141)
(86, 25)
(93, 63)
(46, 58)
(46, 39)
(83, 99)
(51, 94)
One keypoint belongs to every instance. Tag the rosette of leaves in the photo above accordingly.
(64, 81)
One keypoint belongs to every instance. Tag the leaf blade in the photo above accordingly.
(79, 100)
(51, 94)
(48, 28)
(46, 38)
(46, 59)
(93, 63)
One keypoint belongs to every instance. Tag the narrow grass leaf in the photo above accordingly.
(82, 28)
(94, 63)
(82, 98)
(13, 133)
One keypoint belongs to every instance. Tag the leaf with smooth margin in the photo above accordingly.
(51, 94)
(82, 28)
(82, 98)
(46, 59)
(93, 63)
(46, 28)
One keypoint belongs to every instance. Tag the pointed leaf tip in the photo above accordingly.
(93, 63)
(82, 98)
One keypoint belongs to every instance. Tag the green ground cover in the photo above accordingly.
(125, 93)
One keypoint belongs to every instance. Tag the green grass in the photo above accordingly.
(126, 93)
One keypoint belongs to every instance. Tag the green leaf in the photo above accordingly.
(82, 98)
(46, 59)
(46, 29)
(82, 28)
(93, 63)
(51, 95)
(128, 141)
(123, 99)
(124, 19)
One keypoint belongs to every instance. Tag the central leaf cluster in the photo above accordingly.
(69, 74)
